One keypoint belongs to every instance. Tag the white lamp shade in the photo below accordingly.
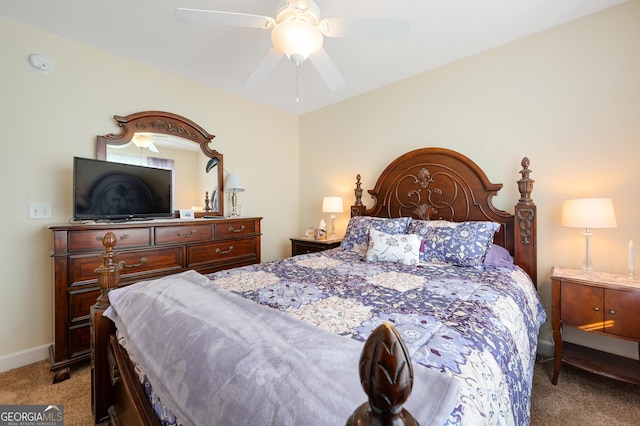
(588, 213)
(332, 205)
(233, 182)
(297, 39)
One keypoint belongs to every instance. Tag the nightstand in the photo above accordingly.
(304, 245)
(595, 302)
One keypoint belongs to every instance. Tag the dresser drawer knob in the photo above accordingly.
(219, 250)
(178, 234)
(612, 312)
(232, 229)
(596, 309)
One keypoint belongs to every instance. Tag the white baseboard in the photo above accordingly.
(20, 359)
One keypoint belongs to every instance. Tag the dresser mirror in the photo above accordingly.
(166, 140)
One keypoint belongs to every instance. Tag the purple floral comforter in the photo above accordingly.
(477, 325)
(480, 326)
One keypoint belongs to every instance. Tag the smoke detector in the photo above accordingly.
(40, 62)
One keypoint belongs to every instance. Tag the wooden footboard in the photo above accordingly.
(117, 397)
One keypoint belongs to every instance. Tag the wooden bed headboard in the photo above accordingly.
(438, 183)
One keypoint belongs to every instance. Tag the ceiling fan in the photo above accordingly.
(297, 31)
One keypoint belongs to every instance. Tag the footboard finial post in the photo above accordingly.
(525, 184)
(101, 328)
(109, 272)
(386, 375)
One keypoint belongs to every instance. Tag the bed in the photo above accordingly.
(433, 282)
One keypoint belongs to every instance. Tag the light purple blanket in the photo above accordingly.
(214, 357)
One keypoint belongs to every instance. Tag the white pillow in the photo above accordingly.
(403, 248)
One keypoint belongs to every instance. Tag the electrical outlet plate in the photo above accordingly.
(40, 210)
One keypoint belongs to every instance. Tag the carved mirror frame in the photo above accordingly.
(169, 124)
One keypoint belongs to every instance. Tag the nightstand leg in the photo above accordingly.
(557, 340)
(557, 332)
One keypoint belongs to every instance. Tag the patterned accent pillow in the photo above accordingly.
(457, 243)
(356, 238)
(402, 248)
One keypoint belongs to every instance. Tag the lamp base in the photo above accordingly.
(235, 211)
(333, 235)
(586, 264)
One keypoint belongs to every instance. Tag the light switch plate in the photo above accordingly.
(40, 210)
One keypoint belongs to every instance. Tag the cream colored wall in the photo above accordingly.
(88, 87)
(568, 98)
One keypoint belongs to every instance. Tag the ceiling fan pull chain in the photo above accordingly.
(297, 83)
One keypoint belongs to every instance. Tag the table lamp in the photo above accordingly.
(332, 205)
(588, 213)
(234, 185)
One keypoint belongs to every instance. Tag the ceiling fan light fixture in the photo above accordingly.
(297, 39)
(142, 139)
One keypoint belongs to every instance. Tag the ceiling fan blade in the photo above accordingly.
(227, 19)
(385, 29)
(153, 148)
(327, 69)
(264, 68)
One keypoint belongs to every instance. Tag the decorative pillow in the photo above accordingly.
(356, 237)
(461, 244)
(425, 227)
(403, 248)
(498, 257)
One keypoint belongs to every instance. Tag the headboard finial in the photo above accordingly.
(525, 185)
(358, 191)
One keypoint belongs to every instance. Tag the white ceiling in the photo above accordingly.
(442, 31)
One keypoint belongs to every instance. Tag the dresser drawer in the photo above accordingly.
(92, 239)
(79, 340)
(183, 234)
(137, 265)
(235, 228)
(224, 251)
(79, 303)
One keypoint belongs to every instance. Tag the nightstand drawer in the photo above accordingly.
(309, 245)
(582, 306)
(622, 315)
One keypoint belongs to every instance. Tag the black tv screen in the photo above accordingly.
(104, 190)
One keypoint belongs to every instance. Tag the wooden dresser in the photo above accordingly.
(149, 249)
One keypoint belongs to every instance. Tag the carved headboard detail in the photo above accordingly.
(438, 183)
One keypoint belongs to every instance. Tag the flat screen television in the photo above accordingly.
(107, 191)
